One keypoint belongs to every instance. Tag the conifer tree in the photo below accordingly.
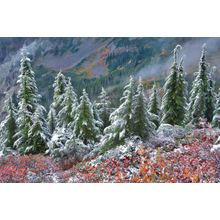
(154, 105)
(28, 91)
(170, 98)
(142, 126)
(127, 98)
(28, 100)
(84, 123)
(68, 106)
(59, 139)
(103, 107)
(24, 122)
(201, 80)
(59, 91)
(121, 119)
(51, 120)
(198, 108)
(216, 117)
(27, 106)
(8, 125)
(210, 98)
(39, 133)
(181, 92)
(98, 121)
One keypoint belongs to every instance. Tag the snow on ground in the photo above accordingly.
(194, 159)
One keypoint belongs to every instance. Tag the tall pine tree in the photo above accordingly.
(142, 126)
(98, 120)
(51, 120)
(216, 117)
(121, 119)
(210, 97)
(198, 108)
(154, 106)
(8, 125)
(28, 100)
(200, 86)
(170, 100)
(84, 123)
(181, 91)
(39, 133)
(27, 107)
(68, 106)
(103, 107)
(59, 92)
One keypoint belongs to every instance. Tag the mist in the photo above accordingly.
(191, 52)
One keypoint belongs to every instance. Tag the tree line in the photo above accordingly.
(72, 121)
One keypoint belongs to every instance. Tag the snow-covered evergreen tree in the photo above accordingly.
(68, 106)
(28, 101)
(154, 105)
(51, 119)
(121, 119)
(181, 99)
(142, 126)
(127, 98)
(170, 98)
(199, 84)
(98, 120)
(24, 122)
(39, 133)
(84, 123)
(28, 91)
(216, 117)
(198, 108)
(8, 125)
(211, 96)
(27, 106)
(59, 92)
(58, 141)
(103, 107)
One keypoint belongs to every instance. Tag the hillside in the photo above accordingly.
(133, 133)
(192, 159)
(96, 62)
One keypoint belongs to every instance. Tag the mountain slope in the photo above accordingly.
(96, 62)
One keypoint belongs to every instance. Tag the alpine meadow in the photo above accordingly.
(125, 110)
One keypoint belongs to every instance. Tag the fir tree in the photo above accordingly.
(181, 100)
(68, 106)
(84, 123)
(154, 105)
(56, 144)
(28, 91)
(142, 125)
(170, 98)
(98, 121)
(28, 100)
(8, 126)
(39, 133)
(121, 119)
(59, 92)
(199, 84)
(128, 95)
(24, 122)
(210, 97)
(27, 107)
(103, 107)
(216, 117)
(51, 120)
(198, 108)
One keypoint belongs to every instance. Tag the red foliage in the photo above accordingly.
(15, 169)
(193, 163)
